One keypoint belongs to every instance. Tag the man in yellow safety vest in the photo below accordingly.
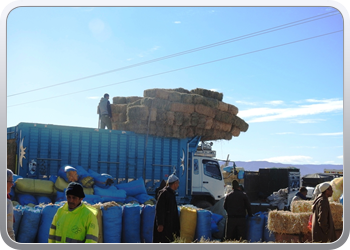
(75, 222)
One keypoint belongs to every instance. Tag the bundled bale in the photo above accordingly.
(29, 225)
(43, 199)
(337, 185)
(134, 187)
(25, 199)
(84, 177)
(284, 222)
(97, 207)
(17, 213)
(208, 93)
(100, 180)
(147, 222)
(68, 173)
(203, 227)
(188, 223)
(34, 186)
(306, 207)
(337, 214)
(131, 224)
(178, 113)
(112, 222)
(47, 214)
(301, 206)
(110, 194)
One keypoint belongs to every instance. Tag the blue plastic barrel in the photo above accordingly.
(255, 227)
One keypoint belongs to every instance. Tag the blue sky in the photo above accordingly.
(287, 84)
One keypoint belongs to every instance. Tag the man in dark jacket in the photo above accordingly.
(105, 112)
(167, 221)
(322, 222)
(237, 206)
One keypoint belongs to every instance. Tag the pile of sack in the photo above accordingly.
(98, 188)
(279, 199)
(128, 223)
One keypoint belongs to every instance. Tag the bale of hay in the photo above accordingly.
(208, 93)
(337, 186)
(199, 112)
(205, 110)
(301, 206)
(136, 113)
(119, 100)
(306, 207)
(337, 214)
(182, 107)
(284, 222)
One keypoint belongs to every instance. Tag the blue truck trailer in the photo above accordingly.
(40, 150)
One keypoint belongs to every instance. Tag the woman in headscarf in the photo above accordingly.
(10, 217)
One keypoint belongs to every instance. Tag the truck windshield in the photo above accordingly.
(212, 169)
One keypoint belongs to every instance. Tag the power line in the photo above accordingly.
(258, 33)
(183, 68)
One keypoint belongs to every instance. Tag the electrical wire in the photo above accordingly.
(183, 68)
(258, 33)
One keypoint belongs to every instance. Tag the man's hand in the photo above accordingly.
(160, 228)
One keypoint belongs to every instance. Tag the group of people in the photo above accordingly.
(76, 222)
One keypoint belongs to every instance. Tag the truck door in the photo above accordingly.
(212, 181)
(196, 176)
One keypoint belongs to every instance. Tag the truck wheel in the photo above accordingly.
(203, 204)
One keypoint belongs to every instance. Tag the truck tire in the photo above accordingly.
(203, 204)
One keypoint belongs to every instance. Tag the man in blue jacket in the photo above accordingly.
(105, 112)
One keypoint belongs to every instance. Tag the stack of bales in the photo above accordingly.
(178, 113)
(296, 221)
(336, 210)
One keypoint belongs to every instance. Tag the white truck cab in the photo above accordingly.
(207, 181)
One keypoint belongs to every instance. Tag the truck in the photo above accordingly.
(259, 185)
(39, 150)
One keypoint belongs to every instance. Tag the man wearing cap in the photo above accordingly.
(322, 222)
(75, 222)
(167, 221)
(237, 206)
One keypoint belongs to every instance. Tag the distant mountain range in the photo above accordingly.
(304, 168)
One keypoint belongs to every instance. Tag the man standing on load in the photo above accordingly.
(105, 112)
(322, 222)
(167, 221)
(75, 222)
(237, 206)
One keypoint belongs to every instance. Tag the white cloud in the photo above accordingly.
(177, 22)
(326, 134)
(274, 102)
(340, 157)
(93, 97)
(295, 159)
(246, 103)
(304, 121)
(269, 114)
